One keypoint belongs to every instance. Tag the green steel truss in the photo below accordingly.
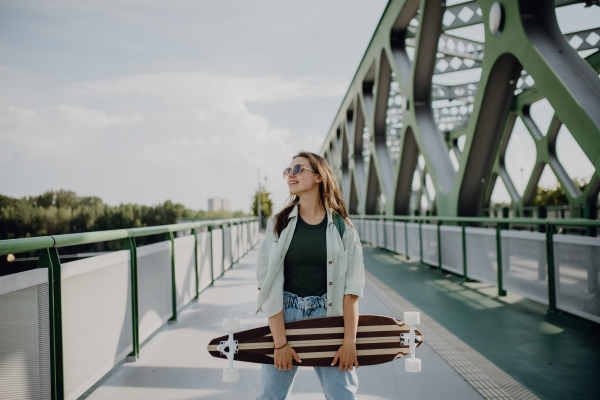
(393, 112)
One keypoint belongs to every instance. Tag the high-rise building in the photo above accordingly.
(218, 204)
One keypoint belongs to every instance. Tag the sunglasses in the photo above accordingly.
(294, 171)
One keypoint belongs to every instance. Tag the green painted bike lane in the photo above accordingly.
(551, 358)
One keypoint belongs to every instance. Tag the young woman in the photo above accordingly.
(306, 270)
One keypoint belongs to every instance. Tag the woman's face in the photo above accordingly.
(305, 181)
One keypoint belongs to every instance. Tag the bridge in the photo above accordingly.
(508, 296)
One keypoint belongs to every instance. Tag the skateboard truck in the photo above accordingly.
(231, 325)
(411, 364)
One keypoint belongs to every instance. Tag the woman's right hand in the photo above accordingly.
(284, 357)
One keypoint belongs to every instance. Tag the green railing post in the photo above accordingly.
(195, 233)
(542, 212)
(501, 291)
(212, 257)
(394, 232)
(170, 237)
(551, 274)
(464, 249)
(406, 239)
(591, 212)
(129, 244)
(48, 258)
(439, 238)
(420, 242)
(384, 234)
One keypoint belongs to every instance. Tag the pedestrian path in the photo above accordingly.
(527, 353)
(174, 363)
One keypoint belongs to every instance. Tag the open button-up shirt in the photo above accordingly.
(345, 267)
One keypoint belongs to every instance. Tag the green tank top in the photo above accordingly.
(305, 263)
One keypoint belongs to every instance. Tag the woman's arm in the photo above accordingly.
(347, 353)
(283, 357)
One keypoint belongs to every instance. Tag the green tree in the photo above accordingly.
(555, 196)
(266, 204)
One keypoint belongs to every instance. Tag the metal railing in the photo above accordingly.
(547, 227)
(243, 235)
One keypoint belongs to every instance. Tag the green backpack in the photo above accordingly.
(339, 223)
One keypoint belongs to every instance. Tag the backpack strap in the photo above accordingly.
(339, 223)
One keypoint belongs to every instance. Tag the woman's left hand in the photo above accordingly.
(347, 357)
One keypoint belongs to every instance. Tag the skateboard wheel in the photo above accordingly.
(231, 375)
(412, 365)
(412, 318)
(231, 324)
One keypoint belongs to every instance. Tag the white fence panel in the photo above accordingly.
(244, 228)
(185, 270)
(217, 252)
(389, 235)
(96, 318)
(482, 259)
(373, 232)
(524, 264)
(155, 292)
(380, 234)
(24, 336)
(204, 260)
(414, 249)
(452, 256)
(234, 243)
(227, 262)
(400, 227)
(430, 244)
(577, 267)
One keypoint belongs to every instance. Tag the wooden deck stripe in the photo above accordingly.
(340, 329)
(305, 343)
(360, 353)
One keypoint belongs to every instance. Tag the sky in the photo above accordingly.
(147, 101)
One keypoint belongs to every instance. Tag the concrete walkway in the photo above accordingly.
(174, 364)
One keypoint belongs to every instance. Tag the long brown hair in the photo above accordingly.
(329, 191)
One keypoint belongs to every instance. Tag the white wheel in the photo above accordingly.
(231, 375)
(412, 318)
(412, 365)
(231, 324)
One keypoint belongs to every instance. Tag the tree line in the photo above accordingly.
(60, 212)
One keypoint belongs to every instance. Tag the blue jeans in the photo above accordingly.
(336, 384)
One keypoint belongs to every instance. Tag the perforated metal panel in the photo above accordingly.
(524, 264)
(217, 251)
(234, 243)
(430, 244)
(577, 268)
(452, 256)
(389, 235)
(185, 270)
(482, 261)
(155, 301)
(24, 336)
(400, 237)
(96, 316)
(380, 234)
(414, 249)
(256, 233)
(204, 266)
(373, 232)
(244, 228)
(227, 262)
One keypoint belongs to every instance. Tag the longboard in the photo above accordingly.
(379, 340)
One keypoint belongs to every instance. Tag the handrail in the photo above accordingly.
(22, 245)
(513, 221)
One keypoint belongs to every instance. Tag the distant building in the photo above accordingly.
(218, 204)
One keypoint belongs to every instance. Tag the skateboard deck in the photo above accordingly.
(379, 340)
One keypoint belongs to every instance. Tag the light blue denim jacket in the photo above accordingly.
(345, 267)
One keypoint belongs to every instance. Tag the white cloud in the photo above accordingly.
(93, 119)
(184, 136)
